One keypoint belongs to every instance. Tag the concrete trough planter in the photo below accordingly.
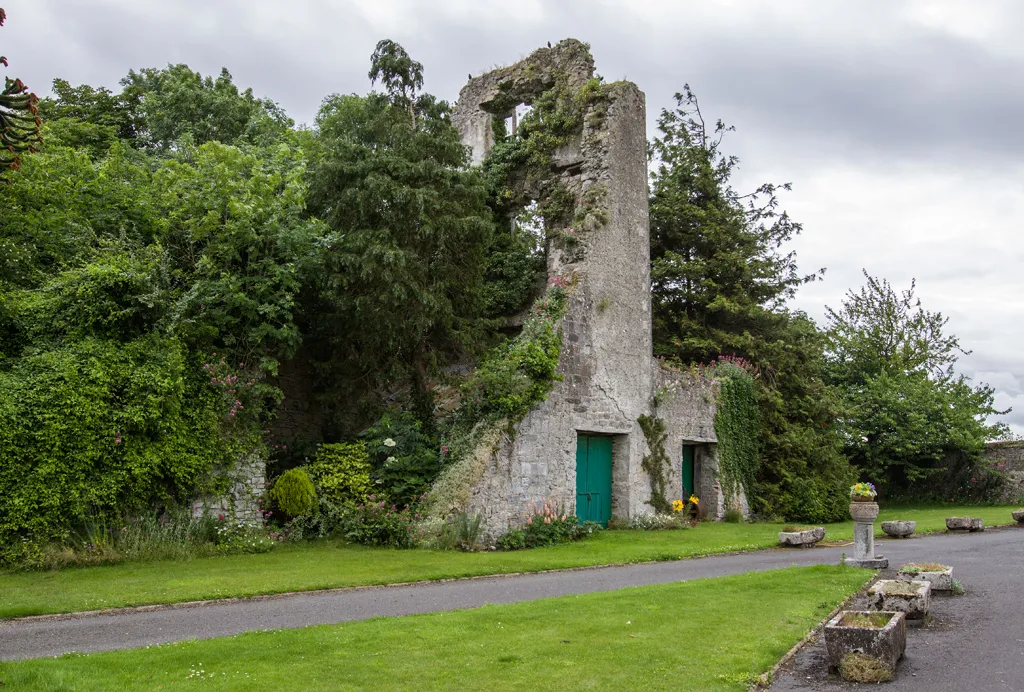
(802, 539)
(1018, 516)
(899, 529)
(912, 598)
(965, 524)
(939, 576)
(864, 646)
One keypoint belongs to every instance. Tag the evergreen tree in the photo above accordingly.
(720, 282)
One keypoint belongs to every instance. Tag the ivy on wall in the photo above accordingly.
(656, 463)
(737, 422)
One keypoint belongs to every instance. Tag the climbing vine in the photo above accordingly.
(657, 463)
(737, 423)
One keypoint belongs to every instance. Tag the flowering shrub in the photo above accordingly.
(657, 522)
(380, 523)
(546, 525)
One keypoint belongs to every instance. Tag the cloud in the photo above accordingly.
(896, 122)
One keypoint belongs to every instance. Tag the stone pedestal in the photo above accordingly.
(864, 515)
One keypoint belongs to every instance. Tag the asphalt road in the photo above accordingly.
(1001, 551)
(974, 642)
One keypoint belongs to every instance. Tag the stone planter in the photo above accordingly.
(939, 576)
(1018, 516)
(864, 511)
(880, 638)
(802, 539)
(912, 598)
(899, 529)
(965, 524)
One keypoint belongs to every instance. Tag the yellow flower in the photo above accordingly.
(677, 505)
(694, 499)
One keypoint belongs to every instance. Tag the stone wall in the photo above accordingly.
(607, 371)
(1012, 454)
(242, 501)
(685, 401)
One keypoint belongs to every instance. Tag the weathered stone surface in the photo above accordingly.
(864, 511)
(608, 374)
(965, 524)
(941, 580)
(242, 501)
(899, 529)
(885, 644)
(1018, 515)
(1008, 458)
(802, 539)
(891, 595)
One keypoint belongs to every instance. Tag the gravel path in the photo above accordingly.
(36, 637)
(974, 642)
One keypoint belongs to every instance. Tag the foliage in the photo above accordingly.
(134, 428)
(400, 289)
(736, 427)
(341, 471)
(716, 269)
(293, 493)
(405, 458)
(461, 532)
(174, 103)
(548, 525)
(858, 667)
(517, 375)
(376, 522)
(906, 409)
(656, 462)
(19, 119)
(719, 285)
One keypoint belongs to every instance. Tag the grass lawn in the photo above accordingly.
(712, 634)
(327, 564)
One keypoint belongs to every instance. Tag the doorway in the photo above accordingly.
(594, 478)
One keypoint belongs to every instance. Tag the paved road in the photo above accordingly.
(975, 642)
(47, 637)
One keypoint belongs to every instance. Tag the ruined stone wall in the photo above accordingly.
(685, 402)
(607, 371)
(1012, 454)
(242, 501)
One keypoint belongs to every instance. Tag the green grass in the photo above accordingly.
(327, 564)
(714, 634)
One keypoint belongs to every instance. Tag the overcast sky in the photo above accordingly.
(898, 123)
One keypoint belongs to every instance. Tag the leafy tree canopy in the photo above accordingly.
(19, 118)
(906, 410)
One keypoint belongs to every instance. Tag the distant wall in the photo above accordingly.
(1012, 454)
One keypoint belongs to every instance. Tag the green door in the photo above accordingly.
(594, 479)
(687, 472)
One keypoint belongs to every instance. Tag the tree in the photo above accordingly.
(720, 282)
(173, 102)
(400, 291)
(906, 410)
(19, 119)
(716, 266)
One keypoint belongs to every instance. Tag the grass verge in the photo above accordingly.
(327, 564)
(712, 634)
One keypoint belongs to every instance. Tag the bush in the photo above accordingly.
(378, 523)
(326, 518)
(405, 458)
(513, 540)
(461, 532)
(293, 493)
(548, 525)
(341, 472)
(95, 430)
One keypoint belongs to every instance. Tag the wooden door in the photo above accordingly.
(594, 478)
(689, 480)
